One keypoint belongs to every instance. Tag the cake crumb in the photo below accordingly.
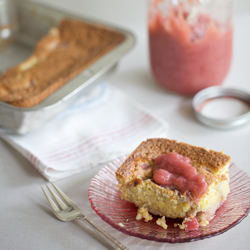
(207, 149)
(203, 219)
(120, 224)
(143, 213)
(181, 226)
(161, 222)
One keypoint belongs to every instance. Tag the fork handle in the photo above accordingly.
(112, 241)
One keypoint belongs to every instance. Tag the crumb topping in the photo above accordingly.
(58, 57)
(148, 150)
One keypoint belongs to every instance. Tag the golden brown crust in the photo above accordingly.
(148, 150)
(209, 177)
(58, 57)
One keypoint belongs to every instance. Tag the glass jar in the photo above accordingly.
(190, 43)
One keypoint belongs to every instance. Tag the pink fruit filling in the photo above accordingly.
(191, 224)
(173, 169)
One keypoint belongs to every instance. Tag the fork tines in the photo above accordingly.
(62, 204)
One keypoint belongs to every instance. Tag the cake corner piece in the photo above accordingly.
(175, 180)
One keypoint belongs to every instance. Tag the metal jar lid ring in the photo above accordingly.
(212, 106)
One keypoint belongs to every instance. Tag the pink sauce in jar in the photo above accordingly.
(185, 57)
(173, 169)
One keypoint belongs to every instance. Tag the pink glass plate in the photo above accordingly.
(105, 199)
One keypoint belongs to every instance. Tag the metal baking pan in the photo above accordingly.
(34, 21)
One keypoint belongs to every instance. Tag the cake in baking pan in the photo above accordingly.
(175, 180)
(58, 57)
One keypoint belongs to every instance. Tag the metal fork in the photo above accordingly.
(66, 210)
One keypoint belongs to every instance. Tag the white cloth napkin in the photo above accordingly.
(97, 128)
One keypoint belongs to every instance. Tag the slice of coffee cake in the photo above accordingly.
(175, 180)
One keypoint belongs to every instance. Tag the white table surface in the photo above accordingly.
(26, 220)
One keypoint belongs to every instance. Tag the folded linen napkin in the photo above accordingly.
(97, 128)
